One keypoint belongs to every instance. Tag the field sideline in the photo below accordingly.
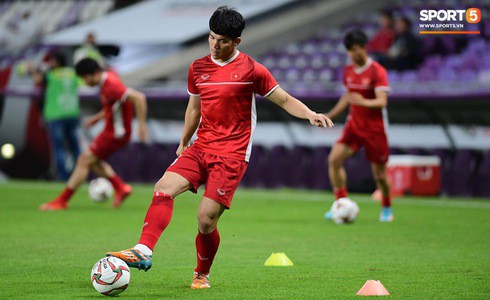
(435, 249)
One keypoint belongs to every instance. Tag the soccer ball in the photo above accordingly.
(344, 210)
(110, 276)
(100, 189)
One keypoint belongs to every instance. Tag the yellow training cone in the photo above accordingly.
(278, 260)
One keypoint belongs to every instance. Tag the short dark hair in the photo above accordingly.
(87, 66)
(227, 21)
(355, 37)
(59, 58)
(386, 13)
(406, 21)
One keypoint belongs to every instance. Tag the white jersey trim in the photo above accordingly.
(382, 89)
(270, 92)
(224, 82)
(192, 94)
(222, 64)
(358, 86)
(253, 125)
(103, 78)
(117, 120)
(363, 68)
(125, 95)
(386, 124)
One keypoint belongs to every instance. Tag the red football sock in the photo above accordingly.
(340, 193)
(386, 201)
(116, 182)
(206, 248)
(157, 218)
(65, 195)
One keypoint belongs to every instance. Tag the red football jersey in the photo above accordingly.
(227, 91)
(365, 81)
(118, 113)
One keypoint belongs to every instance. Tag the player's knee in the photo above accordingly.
(163, 186)
(334, 161)
(207, 221)
(381, 179)
(85, 159)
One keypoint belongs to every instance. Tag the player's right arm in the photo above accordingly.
(138, 99)
(191, 122)
(341, 105)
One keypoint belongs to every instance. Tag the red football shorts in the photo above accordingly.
(222, 175)
(376, 145)
(104, 145)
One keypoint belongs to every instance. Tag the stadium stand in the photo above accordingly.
(301, 43)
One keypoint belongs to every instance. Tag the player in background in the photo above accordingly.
(367, 88)
(222, 88)
(61, 109)
(117, 111)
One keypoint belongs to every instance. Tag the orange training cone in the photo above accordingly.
(373, 288)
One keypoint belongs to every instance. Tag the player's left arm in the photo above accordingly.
(138, 99)
(381, 89)
(297, 108)
(381, 100)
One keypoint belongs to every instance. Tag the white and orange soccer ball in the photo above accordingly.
(110, 276)
(344, 210)
(100, 189)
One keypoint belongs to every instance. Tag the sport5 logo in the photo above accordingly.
(471, 15)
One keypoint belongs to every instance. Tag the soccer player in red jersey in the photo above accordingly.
(117, 101)
(222, 88)
(367, 88)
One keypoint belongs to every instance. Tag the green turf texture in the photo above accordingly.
(435, 249)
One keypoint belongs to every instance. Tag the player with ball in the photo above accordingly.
(367, 88)
(222, 88)
(117, 102)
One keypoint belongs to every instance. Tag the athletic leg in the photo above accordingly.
(379, 175)
(121, 189)
(336, 171)
(207, 240)
(157, 218)
(79, 175)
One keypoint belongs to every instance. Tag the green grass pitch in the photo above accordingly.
(435, 249)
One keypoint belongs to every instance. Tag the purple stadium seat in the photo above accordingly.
(433, 62)
(413, 76)
(409, 76)
(453, 61)
(447, 74)
(467, 75)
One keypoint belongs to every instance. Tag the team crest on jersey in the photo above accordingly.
(348, 79)
(205, 77)
(365, 81)
(235, 76)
